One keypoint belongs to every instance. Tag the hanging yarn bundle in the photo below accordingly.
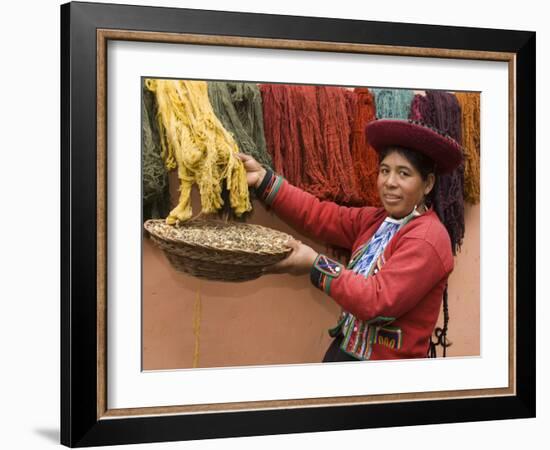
(442, 111)
(418, 102)
(469, 104)
(351, 106)
(393, 103)
(365, 158)
(194, 139)
(239, 108)
(336, 133)
(156, 196)
(282, 144)
(307, 130)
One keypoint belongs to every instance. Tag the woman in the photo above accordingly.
(392, 289)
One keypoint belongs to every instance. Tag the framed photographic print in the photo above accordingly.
(158, 344)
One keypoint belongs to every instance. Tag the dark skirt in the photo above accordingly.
(334, 354)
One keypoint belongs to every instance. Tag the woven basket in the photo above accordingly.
(216, 250)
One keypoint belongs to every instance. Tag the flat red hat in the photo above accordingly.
(444, 150)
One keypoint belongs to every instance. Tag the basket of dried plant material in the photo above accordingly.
(219, 250)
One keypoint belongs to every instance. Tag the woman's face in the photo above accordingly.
(400, 185)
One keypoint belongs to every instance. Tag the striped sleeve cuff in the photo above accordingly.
(323, 271)
(268, 189)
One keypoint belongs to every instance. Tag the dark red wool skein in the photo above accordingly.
(308, 135)
(364, 156)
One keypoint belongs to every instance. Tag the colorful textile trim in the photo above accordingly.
(357, 254)
(360, 336)
(390, 337)
(380, 321)
(323, 271)
(268, 189)
(327, 266)
(358, 340)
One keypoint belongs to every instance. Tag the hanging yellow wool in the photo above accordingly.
(194, 140)
(469, 104)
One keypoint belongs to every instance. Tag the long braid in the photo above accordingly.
(441, 333)
(434, 200)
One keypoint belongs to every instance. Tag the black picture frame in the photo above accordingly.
(83, 422)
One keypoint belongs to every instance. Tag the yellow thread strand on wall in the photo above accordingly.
(469, 104)
(197, 312)
(194, 140)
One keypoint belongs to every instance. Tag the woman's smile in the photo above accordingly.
(392, 198)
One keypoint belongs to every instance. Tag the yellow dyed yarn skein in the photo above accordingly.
(195, 141)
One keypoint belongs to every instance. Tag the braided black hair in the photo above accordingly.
(441, 333)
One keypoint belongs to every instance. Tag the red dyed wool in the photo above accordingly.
(317, 179)
(364, 156)
(282, 144)
(336, 132)
(308, 133)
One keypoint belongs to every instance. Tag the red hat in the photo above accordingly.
(441, 148)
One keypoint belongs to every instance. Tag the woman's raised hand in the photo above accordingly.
(255, 173)
(299, 261)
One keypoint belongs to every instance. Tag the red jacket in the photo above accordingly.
(407, 290)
